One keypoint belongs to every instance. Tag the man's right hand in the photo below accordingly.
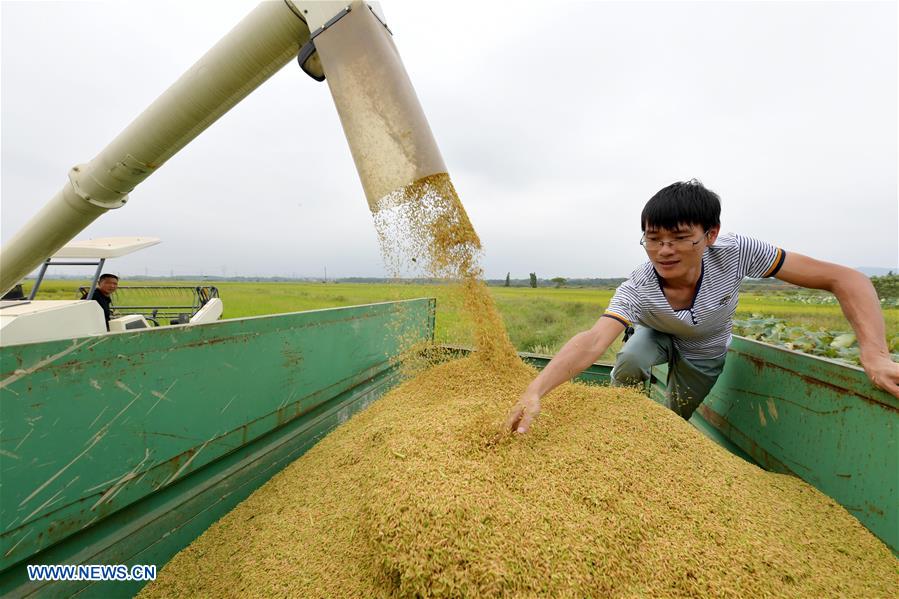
(579, 352)
(523, 412)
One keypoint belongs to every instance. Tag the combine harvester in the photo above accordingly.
(122, 447)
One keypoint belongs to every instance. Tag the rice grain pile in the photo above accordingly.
(609, 495)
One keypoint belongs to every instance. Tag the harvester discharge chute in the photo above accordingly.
(385, 126)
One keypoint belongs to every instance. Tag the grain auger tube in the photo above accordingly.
(347, 44)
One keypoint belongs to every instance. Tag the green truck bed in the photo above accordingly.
(122, 449)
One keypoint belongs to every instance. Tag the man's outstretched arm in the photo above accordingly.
(861, 307)
(581, 350)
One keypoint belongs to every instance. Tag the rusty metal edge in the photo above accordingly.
(759, 455)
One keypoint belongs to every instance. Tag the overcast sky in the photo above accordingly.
(557, 122)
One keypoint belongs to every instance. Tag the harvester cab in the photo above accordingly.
(28, 320)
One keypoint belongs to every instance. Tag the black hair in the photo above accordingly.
(106, 275)
(682, 203)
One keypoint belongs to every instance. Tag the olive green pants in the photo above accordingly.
(689, 381)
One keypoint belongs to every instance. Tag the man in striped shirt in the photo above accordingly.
(681, 304)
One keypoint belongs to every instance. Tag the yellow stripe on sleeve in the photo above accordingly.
(775, 264)
(618, 317)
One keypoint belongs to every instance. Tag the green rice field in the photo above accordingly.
(538, 320)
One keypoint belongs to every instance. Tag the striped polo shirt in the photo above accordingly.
(702, 331)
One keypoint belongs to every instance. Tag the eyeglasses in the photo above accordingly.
(681, 245)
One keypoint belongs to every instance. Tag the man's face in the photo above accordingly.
(108, 286)
(675, 252)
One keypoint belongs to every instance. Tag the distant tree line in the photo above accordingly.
(887, 286)
(534, 281)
